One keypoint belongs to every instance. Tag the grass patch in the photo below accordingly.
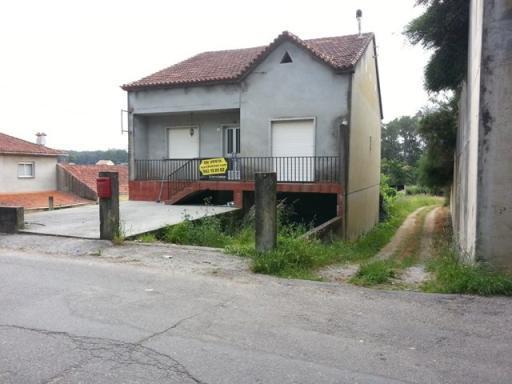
(205, 232)
(294, 257)
(147, 238)
(298, 258)
(374, 273)
(450, 275)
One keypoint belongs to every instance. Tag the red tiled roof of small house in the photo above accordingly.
(15, 146)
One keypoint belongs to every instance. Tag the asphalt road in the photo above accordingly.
(83, 312)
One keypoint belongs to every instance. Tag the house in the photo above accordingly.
(481, 201)
(26, 166)
(309, 110)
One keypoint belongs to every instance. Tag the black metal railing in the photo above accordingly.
(293, 169)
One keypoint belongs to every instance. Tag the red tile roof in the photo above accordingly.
(87, 174)
(339, 52)
(13, 145)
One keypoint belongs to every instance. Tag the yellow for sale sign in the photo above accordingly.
(216, 166)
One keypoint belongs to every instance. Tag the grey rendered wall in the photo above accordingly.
(494, 221)
(152, 130)
(303, 88)
(45, 174)
(144, 105)
(362, 201)
(213, 97)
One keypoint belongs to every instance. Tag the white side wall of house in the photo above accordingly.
(45, 178)
(364, 153)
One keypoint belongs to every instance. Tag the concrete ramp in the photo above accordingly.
(136, 217)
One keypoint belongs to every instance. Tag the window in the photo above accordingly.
(26, 170)
(232, 141)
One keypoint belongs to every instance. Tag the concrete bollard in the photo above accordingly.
(109, 208)
(12, 219)
(50, 203)
(266, 210)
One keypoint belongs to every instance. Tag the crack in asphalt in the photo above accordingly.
(179, 322)
(119, 353)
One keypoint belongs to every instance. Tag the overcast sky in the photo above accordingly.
(62, 62)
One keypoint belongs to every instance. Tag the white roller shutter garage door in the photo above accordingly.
(293, 147)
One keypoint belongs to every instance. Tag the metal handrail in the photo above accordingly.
(180, 173)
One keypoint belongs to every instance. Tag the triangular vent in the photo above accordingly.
(286, 58)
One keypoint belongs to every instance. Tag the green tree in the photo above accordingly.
(438, 127)
(442, 28)
(401, 150)
(118, 156)
(400, 140)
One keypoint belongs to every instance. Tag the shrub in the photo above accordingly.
(205, 232)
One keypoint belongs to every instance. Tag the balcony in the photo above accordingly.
(298, 169)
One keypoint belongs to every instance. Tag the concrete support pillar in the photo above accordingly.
(109, 209)
(12, 219)
(266, 210)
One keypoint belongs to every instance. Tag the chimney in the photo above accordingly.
(41, 138)
(359, 15)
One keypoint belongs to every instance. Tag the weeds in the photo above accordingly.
(147, 238)
(374, 273)
(120, 235)
(454, 276)
(205, 232)
(294, 257)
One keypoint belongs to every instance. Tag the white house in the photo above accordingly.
(27, 167)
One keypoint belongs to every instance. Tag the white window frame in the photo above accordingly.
(24, 163)
(225, 129)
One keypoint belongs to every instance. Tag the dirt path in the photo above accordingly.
(406, 230)
(417, 274)
(413, 241)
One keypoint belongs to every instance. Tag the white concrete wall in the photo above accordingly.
(482, 192)
(464, 194)
(364, 153)
(45, 174)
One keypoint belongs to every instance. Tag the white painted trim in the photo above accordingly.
(182, 127)
(313, 118)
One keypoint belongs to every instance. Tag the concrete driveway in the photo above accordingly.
(82, 311)
(136, 217)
